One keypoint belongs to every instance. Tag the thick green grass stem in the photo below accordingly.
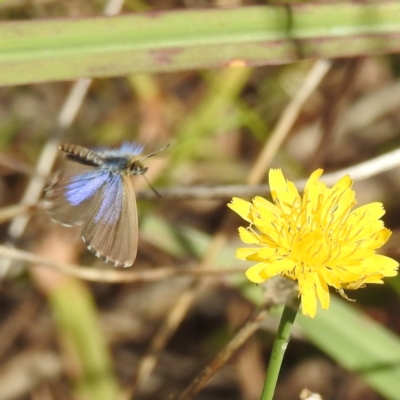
(183, 40)
(278, 351)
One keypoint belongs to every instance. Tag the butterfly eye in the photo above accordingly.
(137, 168)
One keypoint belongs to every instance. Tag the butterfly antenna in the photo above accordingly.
(152, 154)
(144, 176)
(151, 187)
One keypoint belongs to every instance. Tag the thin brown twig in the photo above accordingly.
(114, 275)
(224, 355)
(10, 212)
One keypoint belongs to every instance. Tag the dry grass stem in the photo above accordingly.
(114, 275)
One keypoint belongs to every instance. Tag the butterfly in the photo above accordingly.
(100, 197)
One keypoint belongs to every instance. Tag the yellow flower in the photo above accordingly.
(316, 239)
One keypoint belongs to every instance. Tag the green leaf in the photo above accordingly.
(357, 343)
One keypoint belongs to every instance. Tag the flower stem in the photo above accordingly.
(278, 351)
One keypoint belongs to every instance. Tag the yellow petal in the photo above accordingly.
(283, 192)
(249, 254)
(372, 211)
(384, 235)
(267, 252)
(248, 237)
(343, 183)
(241, 207)
(312, 286)
(313, 179)
(257, 273)
(308, 297)
(266, 209)
(313, 193)
(322, 291)
(379, 263)
(283, 266)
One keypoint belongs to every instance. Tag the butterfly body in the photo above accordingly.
(100, 197)
(109, 160)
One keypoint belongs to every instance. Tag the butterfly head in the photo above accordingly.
(135, 167)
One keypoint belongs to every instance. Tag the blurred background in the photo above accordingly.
(62, 337)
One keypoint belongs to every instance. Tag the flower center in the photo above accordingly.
(311, 248)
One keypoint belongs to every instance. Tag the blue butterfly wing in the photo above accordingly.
(110, 230)
(68, 199)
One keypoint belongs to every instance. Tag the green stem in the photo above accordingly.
(278, 351)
